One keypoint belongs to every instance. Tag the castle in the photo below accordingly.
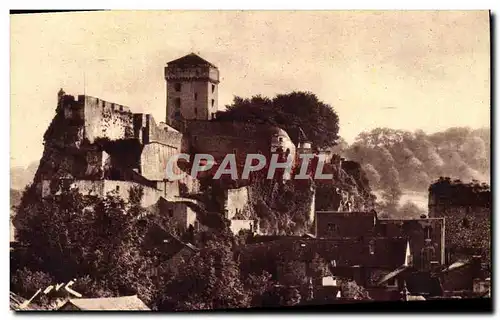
(99, 146)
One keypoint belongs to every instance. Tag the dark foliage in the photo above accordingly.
(289, 112)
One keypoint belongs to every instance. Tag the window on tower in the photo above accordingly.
(177, 103)
(213, 102)
(195, 111)
(213, 88)
(178, 87)
(195, 96)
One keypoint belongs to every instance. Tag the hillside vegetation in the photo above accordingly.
(401, 162)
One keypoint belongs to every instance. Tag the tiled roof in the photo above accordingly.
(109, 304)
(191, 59)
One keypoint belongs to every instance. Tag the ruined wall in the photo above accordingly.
(237, 199)
(162, 133)
(107, 120)
(468, 231)
(103, 187)
(150, 197)
(85, 187)
(467, 210)
(86, 163)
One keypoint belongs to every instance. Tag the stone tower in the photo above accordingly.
(192, 87)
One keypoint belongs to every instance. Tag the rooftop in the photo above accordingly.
(191, 59)
(115, 303)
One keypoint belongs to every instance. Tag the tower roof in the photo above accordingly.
(191, 59)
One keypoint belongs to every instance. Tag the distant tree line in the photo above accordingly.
(398, 160)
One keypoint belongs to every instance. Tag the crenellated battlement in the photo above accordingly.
(105, 105)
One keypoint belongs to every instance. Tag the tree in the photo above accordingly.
(409, 210)
(392, 189)
(350, 289)
(373, 175)
(289, 111)
(98, 241)
(257, 286)
(209, 280)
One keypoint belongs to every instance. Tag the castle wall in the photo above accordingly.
(467, 210)
(468, 230)
(194, 100)
(224, 137)
(160, 133)
(103, 187)
(160, 145)
(169, 189)
(85, 187)
(154, 158)
(107, 120)
(149, 198)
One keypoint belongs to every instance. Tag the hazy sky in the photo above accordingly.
(398, 69)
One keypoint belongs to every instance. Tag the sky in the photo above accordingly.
(407, 70)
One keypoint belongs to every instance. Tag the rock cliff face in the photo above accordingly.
(92, 139)
(288, 207)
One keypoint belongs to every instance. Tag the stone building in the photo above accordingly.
(335, 224)
(422, 233)
(99, 146)
(425, 235)
(192, 89)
